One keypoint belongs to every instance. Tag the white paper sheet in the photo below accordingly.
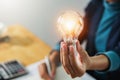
(60, 74)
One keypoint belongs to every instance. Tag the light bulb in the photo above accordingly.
(70, 25)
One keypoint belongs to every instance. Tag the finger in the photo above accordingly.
(61, 57)
(80, 50)
(73, 60)
(66, 63)
(53, 70)
(61, 51)
(43, 72)
(67, 70)
(80, 57)
(75, 63)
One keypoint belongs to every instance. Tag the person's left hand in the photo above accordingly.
(74, 65)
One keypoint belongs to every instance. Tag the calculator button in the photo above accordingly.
(3, 73)
(15, 68)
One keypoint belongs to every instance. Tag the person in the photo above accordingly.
(101, 58)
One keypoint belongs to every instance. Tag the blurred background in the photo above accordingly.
(38, 16)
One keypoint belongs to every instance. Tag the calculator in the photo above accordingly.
(11, 69)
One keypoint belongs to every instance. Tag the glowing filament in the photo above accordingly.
(70, 25)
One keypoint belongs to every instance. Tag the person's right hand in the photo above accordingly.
(43, 68)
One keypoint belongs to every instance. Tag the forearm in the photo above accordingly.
(99, 62)
(55, 57)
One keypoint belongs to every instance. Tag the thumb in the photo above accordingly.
(80, 50)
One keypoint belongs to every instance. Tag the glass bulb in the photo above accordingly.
(70, 25)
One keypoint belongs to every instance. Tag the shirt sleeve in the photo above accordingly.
(57, 46)
(114, 60)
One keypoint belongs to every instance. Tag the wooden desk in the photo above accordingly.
(23, 45)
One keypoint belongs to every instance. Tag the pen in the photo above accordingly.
(48, 65)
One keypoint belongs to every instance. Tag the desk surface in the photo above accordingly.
(23, 46)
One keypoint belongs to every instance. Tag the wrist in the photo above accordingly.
(99, 62)
(91, 63)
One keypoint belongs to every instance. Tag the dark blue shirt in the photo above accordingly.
(109, 15)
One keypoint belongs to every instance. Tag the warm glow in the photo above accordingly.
(70, 24)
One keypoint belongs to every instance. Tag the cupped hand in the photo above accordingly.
(74, 65)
